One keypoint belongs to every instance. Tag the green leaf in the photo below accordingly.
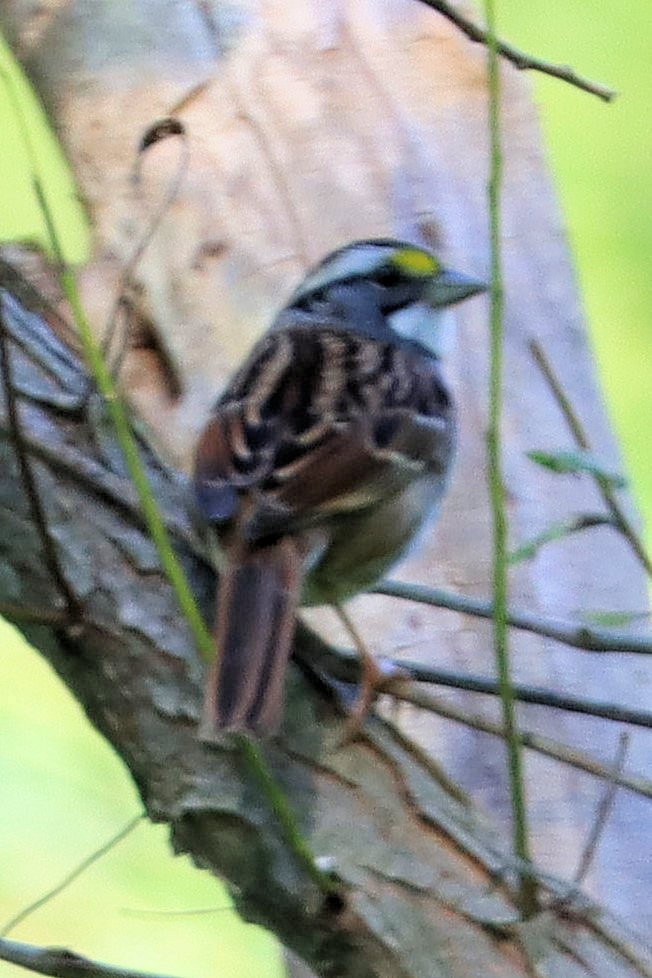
(557, 531)
(575, 463)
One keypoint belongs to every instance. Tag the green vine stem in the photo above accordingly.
(527, 888)
(251, 752)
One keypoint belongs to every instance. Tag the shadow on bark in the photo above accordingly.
(425, 887)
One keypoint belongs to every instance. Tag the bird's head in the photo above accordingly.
(386, 283)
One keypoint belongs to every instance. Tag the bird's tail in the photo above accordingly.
(256, 609)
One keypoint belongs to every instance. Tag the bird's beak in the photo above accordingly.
(449, 287)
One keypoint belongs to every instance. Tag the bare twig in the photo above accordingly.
(55, 618)
(162, 129)
(603, 812)
(527, 694)
(62, 963)
(343, 665)
(520, 60)
(72, 876)
(119, 490)
(572, 756)
(612, 934)
(560, 531)
(582, 440)
(588, 638)
(187, 912)
(32, 493)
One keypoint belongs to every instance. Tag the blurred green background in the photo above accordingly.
(602, 159)
(62, 791)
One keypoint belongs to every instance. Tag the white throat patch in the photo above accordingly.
(432, 328)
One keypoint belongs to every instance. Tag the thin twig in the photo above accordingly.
(520, 831)
(343, 665)
(55, 618)
(425, 759)
(531, 959)
(284, 815)
(571, 756)
(59, 962)
(72, 876)
(187, 912)
(585, 637)
(162, 129)
(527, 694)
(603, 812)
(520, 60)
(28, 480)
(582, 440)
(611, 935)
(560, 531)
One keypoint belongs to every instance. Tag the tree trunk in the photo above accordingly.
(310, 125)
(425, 889)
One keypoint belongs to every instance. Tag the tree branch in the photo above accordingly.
(62, 963)
(529, 694)
(344, 666)
(37, 616)
(585, 637)
(603, 811)
(115, 409)
(571, 756)
(582, 441)
(520, 60)
(71, 876)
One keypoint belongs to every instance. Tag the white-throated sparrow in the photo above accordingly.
(322, 458)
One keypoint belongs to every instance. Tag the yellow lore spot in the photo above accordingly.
(415, 262)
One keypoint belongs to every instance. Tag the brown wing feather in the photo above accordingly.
(318, 422)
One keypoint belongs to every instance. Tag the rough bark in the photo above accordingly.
(311, 124)
(425, 890)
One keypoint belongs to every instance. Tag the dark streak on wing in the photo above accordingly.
(319, 419)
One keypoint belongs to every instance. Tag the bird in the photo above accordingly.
(325, 454)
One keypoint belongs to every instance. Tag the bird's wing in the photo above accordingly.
(319, 422)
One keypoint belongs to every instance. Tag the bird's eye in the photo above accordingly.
(389, 277)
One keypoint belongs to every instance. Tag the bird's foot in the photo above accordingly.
(377, 676)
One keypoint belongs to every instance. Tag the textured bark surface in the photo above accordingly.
(311, 124)
(425, 890)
